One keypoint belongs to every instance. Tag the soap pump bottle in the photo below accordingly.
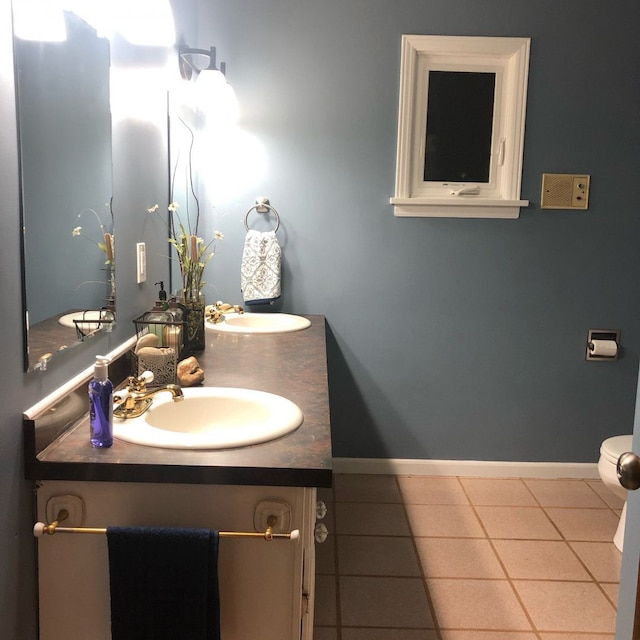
(101, 405)
(162, 296)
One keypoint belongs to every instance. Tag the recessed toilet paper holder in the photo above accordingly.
(603, 345)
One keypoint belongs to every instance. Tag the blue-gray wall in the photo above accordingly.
(448, 338)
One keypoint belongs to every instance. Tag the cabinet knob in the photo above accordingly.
(320, 532)
(321, 510)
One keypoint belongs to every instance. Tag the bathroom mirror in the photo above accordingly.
(64, 127)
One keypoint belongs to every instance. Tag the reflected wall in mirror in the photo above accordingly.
(64, 124)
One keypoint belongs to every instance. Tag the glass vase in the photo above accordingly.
(194, 338)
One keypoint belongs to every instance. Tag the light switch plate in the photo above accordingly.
(565, 191)
(141, 262)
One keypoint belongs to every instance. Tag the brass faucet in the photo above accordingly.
(215, 312)
(138, 398)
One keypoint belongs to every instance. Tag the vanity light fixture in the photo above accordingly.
(188, 67)
(214, 97)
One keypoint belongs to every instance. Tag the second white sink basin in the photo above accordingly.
(260, 323)
(211, 418)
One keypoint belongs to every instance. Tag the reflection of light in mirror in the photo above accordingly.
(141, 22)
(230, 162)
(139, 94)
(145, 22)
(40, 20)
(96, 14)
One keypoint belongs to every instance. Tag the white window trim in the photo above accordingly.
(500, 198)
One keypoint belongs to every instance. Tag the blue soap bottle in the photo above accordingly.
(101, 405)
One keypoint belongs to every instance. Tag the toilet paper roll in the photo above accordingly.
(603, 348)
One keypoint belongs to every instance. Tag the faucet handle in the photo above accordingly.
(146, 377)
(215, 312)
(120, 396)
(138, 384)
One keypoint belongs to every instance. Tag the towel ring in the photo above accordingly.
(262, 205)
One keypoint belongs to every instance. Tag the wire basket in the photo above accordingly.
(170, 333)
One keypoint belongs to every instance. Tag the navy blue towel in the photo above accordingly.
(164, 584)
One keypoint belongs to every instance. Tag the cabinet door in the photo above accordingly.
(261, 582)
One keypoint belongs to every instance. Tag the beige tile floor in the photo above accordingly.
(432, 558)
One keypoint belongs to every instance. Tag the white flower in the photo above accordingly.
(77, 231)
(173, 206)
(218, 235)
(153, 209)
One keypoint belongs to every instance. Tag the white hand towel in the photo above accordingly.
(260, 269)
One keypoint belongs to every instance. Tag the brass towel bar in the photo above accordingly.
(40, 528)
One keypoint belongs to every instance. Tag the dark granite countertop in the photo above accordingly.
(292, 365)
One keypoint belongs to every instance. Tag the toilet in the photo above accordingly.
(610, 450)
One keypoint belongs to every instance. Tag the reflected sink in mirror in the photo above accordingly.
(211, 418)
(88, 322)
(87, 318)
(259, 323)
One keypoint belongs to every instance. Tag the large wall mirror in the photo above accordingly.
(64, 125)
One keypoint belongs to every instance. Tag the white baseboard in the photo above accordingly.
(475, 468)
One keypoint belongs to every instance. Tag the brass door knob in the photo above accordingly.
(628, 469)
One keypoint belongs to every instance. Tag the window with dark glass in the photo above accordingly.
(459, 126)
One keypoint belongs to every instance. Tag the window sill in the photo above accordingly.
(461, 207)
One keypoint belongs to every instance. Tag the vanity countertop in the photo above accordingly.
(292, 365)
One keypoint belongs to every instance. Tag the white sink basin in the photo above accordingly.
(211, 418)
(260, 323)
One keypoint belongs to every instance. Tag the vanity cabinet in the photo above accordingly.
(266, 587)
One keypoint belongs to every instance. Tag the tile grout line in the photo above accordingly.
(502, 565)
(598, 582)
(568, 542)
(423, 578)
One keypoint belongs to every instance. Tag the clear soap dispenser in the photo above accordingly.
(157, 318)
(172, 334)
(162, 296)
(101, 404)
